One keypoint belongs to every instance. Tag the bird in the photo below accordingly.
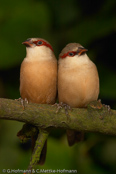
(38, 76)
(78, 82)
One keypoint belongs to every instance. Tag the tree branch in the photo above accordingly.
(94, 118)
(42, 137)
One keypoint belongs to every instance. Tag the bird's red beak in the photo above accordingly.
(28, 43)
(81, 51)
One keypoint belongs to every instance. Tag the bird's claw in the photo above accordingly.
(107, 107)
(22, 102)
(65, 106)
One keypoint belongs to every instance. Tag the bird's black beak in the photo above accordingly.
(81, 51)
(28, 43)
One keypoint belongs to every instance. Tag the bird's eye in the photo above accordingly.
(71, 54)
(39, 42)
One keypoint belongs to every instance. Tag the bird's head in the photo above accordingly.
(37, 42)
(72, 50)
(72, 55)
(38, 47)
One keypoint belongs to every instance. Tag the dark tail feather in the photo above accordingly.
(74, 137)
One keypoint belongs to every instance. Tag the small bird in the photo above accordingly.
(38, 75)
(78, 81)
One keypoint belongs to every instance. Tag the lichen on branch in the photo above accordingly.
(95, 118)
(39, 118)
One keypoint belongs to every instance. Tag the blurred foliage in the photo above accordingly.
(91, 23)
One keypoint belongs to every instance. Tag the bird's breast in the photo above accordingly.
(78, 86)
(38, 81)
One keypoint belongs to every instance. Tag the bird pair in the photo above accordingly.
(76, 78)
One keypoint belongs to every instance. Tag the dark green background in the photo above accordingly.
(92, 24)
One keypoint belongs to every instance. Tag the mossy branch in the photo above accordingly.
(42, 137)
(94, 118)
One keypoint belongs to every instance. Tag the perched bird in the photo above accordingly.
(78, 81)
(38, 75)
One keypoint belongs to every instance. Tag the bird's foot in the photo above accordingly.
(65, 106)
(104, 105)
(22, 102)
(107, 107)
